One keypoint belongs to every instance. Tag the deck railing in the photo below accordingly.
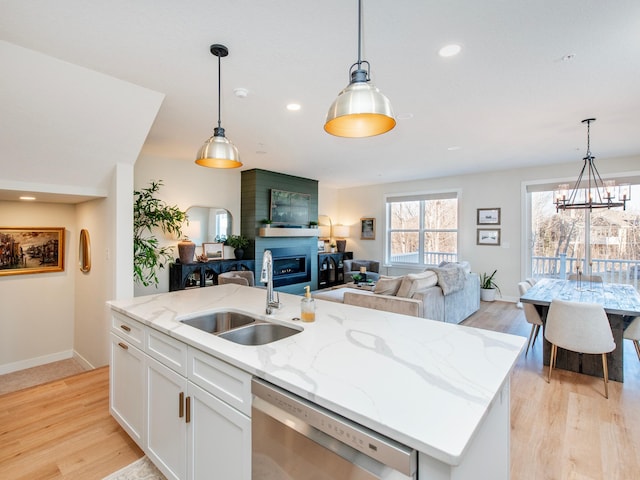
(430, 258)
(611, 270)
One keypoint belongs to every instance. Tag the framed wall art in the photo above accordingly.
(488, 236)
(488, 216)
(367, 228)
(31, 250)
(289, 208)
(213, 251)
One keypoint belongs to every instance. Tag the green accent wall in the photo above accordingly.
(255, 200)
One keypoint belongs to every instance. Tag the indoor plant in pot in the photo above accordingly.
(238, 243)
(488, 287)
(150, 213)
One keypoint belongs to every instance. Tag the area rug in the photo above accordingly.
(141, 469)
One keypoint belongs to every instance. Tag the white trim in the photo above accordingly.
(35, 362)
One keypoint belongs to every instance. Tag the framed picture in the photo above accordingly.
(488, 216)
(488, 236)
(213, 251)
(289, 208)
(368, 228)
(320, 246)
(31, 250)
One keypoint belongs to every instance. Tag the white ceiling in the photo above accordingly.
(507, 100)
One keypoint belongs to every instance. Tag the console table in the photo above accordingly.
(203, 274)
(331, 268)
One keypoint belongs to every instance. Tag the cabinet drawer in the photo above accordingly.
(225, 381)
(128, 329)
(168, 351)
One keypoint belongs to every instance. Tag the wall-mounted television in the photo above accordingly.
(289, 208)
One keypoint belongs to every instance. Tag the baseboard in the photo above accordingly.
(83, 361)
(35, 362)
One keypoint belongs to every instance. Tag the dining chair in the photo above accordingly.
(532, 281)
(531, 315)
(632, 332)
(585, 278)
(579, 327)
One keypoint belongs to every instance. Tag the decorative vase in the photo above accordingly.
(186, 250)
(487, 294)
(239, 253)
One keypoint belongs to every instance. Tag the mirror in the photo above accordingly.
(207, 224)
(84, 251)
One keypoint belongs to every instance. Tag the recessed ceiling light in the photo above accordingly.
(404, 116)
(454, 148)
(241, 92)
(27, 198)
(294, 107)
(449, 50)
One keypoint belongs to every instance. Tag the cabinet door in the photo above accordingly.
(127, 398)
(219, 439)
(166, 420)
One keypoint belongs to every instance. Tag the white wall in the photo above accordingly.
(93, 288)
(37, 310)
(486, 190)
(186, 184)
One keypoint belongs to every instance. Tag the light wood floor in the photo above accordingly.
(62, 430)
(562, 430)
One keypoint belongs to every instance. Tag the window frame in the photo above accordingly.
(422, 197)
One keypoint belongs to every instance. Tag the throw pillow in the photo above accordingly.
(466, 266)
(387, 285)
(414, 282)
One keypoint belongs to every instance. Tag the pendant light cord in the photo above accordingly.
(219, 92)
(359, 33)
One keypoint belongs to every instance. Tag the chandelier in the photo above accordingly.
(595, 193)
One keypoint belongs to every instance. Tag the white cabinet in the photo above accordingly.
(219, 439)
(127, 387)
(187, 410)
(167, 418)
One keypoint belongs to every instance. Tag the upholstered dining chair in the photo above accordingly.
(586, 278)
(532, 281)
(531, 315)
(632, 332)
(579, 327)
(241, 277)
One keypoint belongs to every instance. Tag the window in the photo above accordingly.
(422, 229)
(602, 242)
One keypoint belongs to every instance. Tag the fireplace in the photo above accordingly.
(290, 266)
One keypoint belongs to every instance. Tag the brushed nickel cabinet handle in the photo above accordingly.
(188, 419)
(181, 407)
(123, 345)
(125, 328)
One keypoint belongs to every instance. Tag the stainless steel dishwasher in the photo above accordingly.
(294, 439)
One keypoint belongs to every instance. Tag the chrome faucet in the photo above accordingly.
(266, 276)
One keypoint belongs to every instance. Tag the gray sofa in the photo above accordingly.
(351, 267)
(448, 294)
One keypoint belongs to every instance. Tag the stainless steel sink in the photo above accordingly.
(218, 322)
(240, 328)
(259, 333)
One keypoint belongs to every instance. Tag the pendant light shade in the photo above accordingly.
(360, 110)
(218, 151)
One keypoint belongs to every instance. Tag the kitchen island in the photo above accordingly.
(441, 389)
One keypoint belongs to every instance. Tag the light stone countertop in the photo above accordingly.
(424, 383)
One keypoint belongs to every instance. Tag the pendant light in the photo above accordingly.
(360, 110)
(596, 193)
(218, 151)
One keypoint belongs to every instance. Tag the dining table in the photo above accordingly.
(621, 303)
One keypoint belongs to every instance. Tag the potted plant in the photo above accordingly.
(313, 224)
(266, 222)
(238, 243)
(150, 213)
(488, 287)
(356, 278)
(332, 247)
